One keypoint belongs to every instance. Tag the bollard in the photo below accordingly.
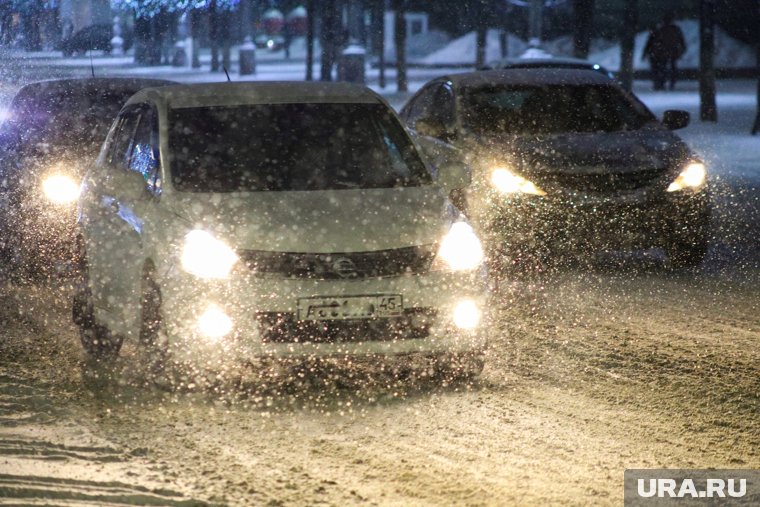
(351, 64)
(247, 57)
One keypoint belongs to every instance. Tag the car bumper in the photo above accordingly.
(634, 221)
(264, 317)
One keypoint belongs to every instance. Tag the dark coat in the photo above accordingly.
(665, 43)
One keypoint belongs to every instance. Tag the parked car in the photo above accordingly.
(568, 161)
(226, 222)
(548, 62)
(94, 37)
(53, 130)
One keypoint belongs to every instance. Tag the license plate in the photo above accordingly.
(350, 307)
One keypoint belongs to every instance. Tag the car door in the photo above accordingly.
(116, 233)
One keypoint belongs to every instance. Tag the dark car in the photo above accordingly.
(548, 62)
(568, 160)
(53, 130)
(93, 37)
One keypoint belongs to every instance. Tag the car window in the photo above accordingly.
(143, 157)
(442, 106)
(291, 147)
(552, 109)
(67, 118)
(121, 145)
(419, 107)
(134, 146)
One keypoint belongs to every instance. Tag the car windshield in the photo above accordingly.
(552, 109)
(65, 118)
(300, 146)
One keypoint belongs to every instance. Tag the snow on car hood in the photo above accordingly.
(625, 151)
(321, 221)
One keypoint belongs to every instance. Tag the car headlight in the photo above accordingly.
(61, 188)
(460, 249)
(207, 257)
(694, 175)
(507, 182)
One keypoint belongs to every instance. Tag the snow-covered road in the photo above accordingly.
(594, 369)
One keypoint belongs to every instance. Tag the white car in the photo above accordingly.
(226, 222)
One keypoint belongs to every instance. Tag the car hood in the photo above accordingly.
(612, 152)
(321, 221)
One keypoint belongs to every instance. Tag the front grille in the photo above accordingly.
(286, 328)
(602, 182)
(336, 266)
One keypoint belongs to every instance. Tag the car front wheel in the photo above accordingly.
(98, 341)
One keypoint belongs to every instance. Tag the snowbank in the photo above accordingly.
(461, 51)
(729, 52)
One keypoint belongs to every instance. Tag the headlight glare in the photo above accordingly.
(214, 323)
(206, 257)
(466, 314)
(693, 176)
(60, 188)
(507, 182)
(460, 249)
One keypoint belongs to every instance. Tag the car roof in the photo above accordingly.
(268, 92)
(92, 84)
(547, 62)
(538, 76)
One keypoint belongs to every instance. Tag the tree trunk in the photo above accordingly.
(628, 43)
(214, 35)
(328, 38)
(195, 32)
(708, 111)
(756, 126)
(378, 37)
(310, 24)
(399, 30)
(480, 42)
(583, 12)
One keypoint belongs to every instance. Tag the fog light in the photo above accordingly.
(214, 323)
(466, 314)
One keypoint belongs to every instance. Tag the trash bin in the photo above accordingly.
(179, 59)
(351, 64)
(247, 57)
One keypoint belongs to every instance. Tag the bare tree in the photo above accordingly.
(378, 36)
(708, 111)
(628, 43)
(399, 31)
(310, 25)
(480, 41)
(328, 37)
(583, 12)
(756, 126)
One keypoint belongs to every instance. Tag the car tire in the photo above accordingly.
(150, 323)
(686, 255)
(98, 341)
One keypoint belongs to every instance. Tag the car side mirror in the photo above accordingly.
(454, 176)
(675, 119)
(128, 185)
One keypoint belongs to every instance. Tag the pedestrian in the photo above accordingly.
(664, 47)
